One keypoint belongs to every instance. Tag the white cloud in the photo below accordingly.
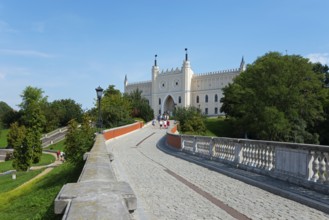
(28, 53)
(322, 58)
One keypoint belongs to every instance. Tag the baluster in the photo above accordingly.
(315, 168)
(326, 156)
(270, 158)
(322, 169)
(263, 165)
(253, 156)
(267, 158)
(258, 157)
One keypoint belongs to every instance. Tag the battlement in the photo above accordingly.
(218, 72)
(139, 83)
(172, 71)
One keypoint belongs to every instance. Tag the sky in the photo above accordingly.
(69, 47)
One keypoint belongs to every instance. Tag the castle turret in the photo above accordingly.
(155, 73)
(242, 65)
(125, 83)
(187, 80)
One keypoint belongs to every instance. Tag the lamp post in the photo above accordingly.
(99, 92)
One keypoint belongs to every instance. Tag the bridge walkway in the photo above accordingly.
(167, 187)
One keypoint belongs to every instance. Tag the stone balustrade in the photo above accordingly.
(303, 164)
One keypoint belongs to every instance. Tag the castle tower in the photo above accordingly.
(187, 80)
(125, 83)
(242, 65)
(155, 73)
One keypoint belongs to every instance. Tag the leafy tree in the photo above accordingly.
(59, 112)
(10, 117)
(79, 140)
(33, 119)
(140, 106)
(277, 98)
(115, 108)
(323, 127)
(190, 120)
(17, 139)
(4, 108)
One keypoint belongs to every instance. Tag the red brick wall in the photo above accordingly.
(115, 132)
(173, 139)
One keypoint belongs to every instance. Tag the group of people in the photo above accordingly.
(163, 121)
(60, 155)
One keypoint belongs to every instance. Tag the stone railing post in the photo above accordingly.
(238, 154)
(195, 146)
(211, 148)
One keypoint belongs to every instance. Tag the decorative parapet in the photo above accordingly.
(172, 71)
(218, 72)
(302, 164)
(139, 83)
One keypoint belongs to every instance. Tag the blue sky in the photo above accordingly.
(69, 47)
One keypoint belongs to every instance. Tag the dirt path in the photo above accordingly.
(49, 167)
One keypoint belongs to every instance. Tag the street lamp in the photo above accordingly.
(99, 92)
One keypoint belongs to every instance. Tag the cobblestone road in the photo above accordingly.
(170, 188)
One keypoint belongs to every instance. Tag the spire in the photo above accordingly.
(126, 80)
(242, 64)
(186, 55)
(155, 60)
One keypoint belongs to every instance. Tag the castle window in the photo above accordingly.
(216, 98)
(159, 101)
(206, 98)
(206, 111)
(179, 99)
(216, 111)
(197, 99)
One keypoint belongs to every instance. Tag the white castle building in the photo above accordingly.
(182, 87)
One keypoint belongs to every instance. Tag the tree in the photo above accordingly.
(140, 106)
(33, 119)
(59, 112)
(190, 120)
(322, 128)
(115, 108)
(79, 140)
(4, 109)
(22, 153)
(277, 98)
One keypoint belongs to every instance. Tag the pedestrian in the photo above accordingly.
(62, 156)
(168, 123)
(161, 122)
(153, 122)
(58, 154)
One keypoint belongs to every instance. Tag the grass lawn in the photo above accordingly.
(3, 138)
(36, 200)
(57, 146)
(45, 160)
(218, 127)
(7, 183)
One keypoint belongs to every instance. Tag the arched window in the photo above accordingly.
(206, 98)
(159, 101)
(216, 111)
(179, 99)
(197, 99)
(216, 98)
(206, 111)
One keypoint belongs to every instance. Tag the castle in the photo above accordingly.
(182, 88)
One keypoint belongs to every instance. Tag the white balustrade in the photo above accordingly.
(300, 162)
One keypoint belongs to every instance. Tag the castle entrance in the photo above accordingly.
(169, 105)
